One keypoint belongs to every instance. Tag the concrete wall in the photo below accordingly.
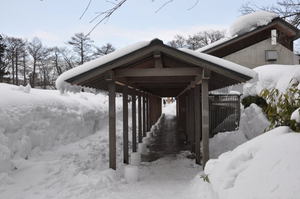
(254, 55)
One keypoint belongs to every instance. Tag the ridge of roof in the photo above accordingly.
(219, 43)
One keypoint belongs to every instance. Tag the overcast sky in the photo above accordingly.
(55, 21)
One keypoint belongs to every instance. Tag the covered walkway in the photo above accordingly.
(167, 141)
(146, 72)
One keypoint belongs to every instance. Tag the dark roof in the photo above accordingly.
(223, 72)
(259, 34)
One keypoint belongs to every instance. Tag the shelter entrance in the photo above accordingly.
(153, 71)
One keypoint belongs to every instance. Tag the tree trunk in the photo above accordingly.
(13, 69)
(33, 74)
(24, 69)
(81, 52)
(45, 81)
(16, 60)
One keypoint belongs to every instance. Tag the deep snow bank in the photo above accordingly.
(272, 76)
(265, 167)
(253, 122)
(37, 120)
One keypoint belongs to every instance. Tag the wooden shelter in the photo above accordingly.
(150, 72)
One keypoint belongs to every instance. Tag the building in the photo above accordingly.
(272, 43)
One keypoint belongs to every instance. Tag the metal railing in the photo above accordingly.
(224, 113)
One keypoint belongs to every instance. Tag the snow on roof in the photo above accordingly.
(61, 83)
(272, 76)
(249, 22)
(243, 24)
(222, 62)
(211, 45)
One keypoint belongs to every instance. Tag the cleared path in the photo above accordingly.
(168, 175)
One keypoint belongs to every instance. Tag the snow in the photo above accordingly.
(272, 76)
(61, 83)
(264, 167)
(169, 109)
(211, 45)
(296, 115)
(56, 146)
(249, 22)
(131, 173)
(34, 120)
(222, 62)
(243, 24)
(253, 123)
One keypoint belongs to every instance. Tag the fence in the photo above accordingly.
(224, 113)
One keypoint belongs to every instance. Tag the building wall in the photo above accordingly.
(254, 55)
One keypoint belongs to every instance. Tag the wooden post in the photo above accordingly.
(125, 125)
(144, 115)
(187, 118)
(148, 113)
(140, 133)
(133, 108)
(205, 121)
(197, 124)
(112, 124)
(192, 120)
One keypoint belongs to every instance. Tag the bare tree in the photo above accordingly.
(116, 4)
(24, 57)
(104, 50)
(15, 47)
(81, 45)
(178, 42)
(68, 58)
(197, 40)
(45, 67)
(286, 9)
(2, 65)
(35, 49)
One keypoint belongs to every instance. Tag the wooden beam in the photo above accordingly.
(161, 85)
(112, 124)
(144, 115)
(125, 125)
(157, 59)
(148, 113)
(196, 81)
(157, 72)
(164, 92)
(140, 133)
(162, 79)
(192, 120)
(205, 121)
(197, 124)
(134, 143)
(187, 117)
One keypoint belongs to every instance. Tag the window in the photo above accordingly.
(271, 55)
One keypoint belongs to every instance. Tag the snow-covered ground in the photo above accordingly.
(55, 146)
(77, 166)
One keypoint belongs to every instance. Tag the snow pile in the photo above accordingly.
(296, 115)
(253, 123)
(272, 76)
(33, 120)
(265, 167)
(251, 21)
